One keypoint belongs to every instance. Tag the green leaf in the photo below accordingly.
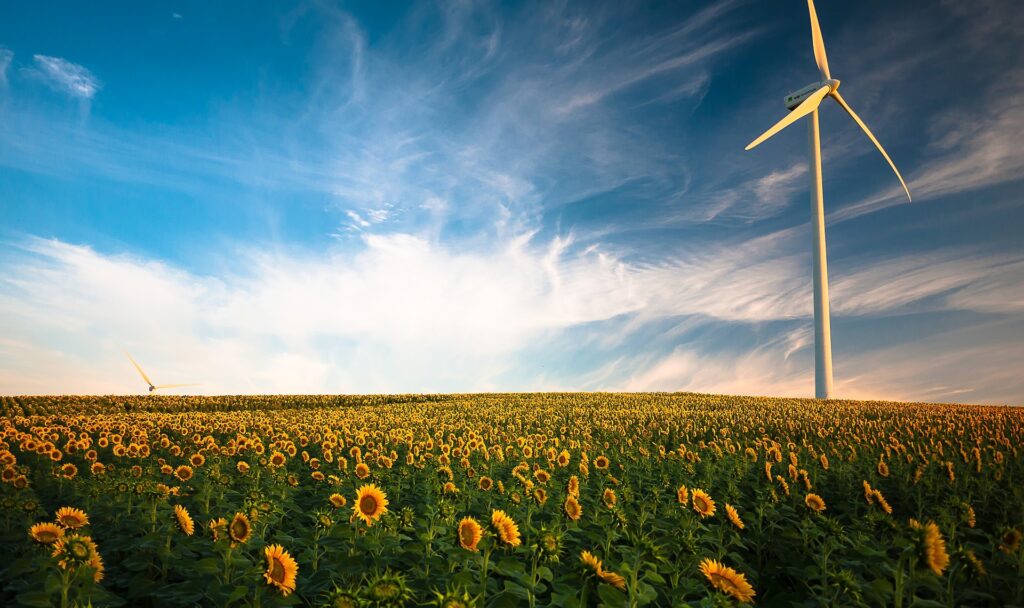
(34, 598)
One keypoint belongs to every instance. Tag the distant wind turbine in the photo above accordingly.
(802, 103)
(153, 387)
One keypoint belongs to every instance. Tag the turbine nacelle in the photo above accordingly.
(797, 97)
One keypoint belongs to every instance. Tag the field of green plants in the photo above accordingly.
(508, 500)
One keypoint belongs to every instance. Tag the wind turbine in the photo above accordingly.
(804, 102)
(153, 387)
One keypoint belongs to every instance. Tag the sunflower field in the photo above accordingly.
(508, 500)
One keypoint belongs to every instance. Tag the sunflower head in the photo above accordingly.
(591, 562)
(506, 528)
(184, 520)
(46, 533)
(454, 597)
(337, 500)
(218, 528)
(814, 502)
(572, 508)
(281, 569)
(933, 546)
(73, 552)
(370, 504)
(734, 516)
(388, 590)
(549, 545)
(184, 472)
(703, 504)
(613, 579)
(343, 598)
(72, 518)
(469, 533)
(727, 580)
(1011, 541)
(608, 498)
(240, 529)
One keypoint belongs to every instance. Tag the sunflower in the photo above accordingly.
(882, 502)
(563, 458)
(337, 500)
(183, 473)
(734, 516)
(683, 495)
(540, 496)
(591, 561)
(277, 459)
(68, 471)
(74, 551)
(727, 580)
(46, 533)
(572, 508)
(934, 546)
(218, 528)
(613, 579)
(702, 503)
(242, 466)
(601, 462)
(184, 520)
(485, 483)
(814, 502)
(608, 498)
(362, 470)
(506, 527)
(869, 492)
(541, 475)
(1011, 541)
(240, 529)
(281, 569)
(470, 533)
(573, 487)
(72, 518)
(371, 503)
(197, 460)
(976, 565)
(450, 488)
(883, 468)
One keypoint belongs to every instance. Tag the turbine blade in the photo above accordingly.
(818, 43)
(806, 107)
(839, 99)
(141, 373)
(174, 385)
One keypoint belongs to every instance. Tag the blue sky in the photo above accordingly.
(465, 196)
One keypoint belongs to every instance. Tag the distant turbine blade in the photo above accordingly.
(142, 373)
(818, 43)
(174, 386)
(867, 131)
(806, 107)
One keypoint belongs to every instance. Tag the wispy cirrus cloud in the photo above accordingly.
(64, 76)
(6, 57)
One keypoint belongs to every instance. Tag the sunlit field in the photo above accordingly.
(508, 500)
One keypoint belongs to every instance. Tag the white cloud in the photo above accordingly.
(401, 315)
(406, 314)
(67, 77)
(6, 57)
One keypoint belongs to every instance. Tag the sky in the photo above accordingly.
(363, 197)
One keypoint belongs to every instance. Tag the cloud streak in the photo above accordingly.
(67, 77)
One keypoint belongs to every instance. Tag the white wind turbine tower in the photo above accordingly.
(803, 103)
(154, 387)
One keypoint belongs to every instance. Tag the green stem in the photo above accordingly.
(483, 575)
